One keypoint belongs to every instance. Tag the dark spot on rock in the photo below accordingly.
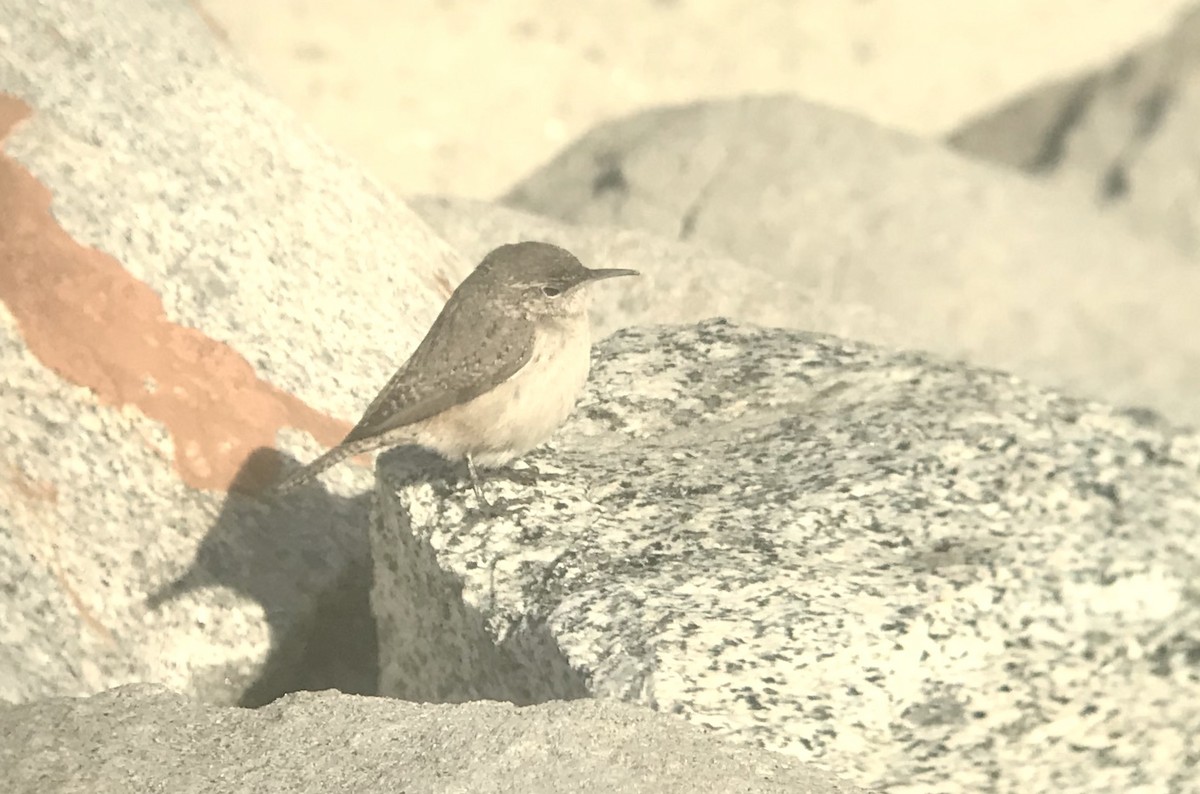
(1115, 183)
(1142, 417)
(611, 179)
(1151, 110)
(687, 226)
(1108, 491)
(1054, 142)
(1124, 69)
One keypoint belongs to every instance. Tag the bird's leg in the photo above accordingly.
(495, 509)
(475, 482)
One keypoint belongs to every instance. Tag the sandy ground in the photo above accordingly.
(461, 97)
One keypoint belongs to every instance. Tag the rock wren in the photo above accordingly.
(498, 372)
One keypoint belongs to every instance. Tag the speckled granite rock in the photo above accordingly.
(679, 283)
(928, 577)
(326, 742)
(963, 259)
(1122, 138)
(180, 265)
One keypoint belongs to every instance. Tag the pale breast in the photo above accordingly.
(524, 411)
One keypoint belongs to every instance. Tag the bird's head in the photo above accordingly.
(541, 279)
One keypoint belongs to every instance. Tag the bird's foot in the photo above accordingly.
(528, 475)
(498, 508)
(501, 506)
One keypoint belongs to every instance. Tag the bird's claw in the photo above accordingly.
(527, 476)
(499, 507)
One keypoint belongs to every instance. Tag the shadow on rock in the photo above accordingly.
(437, 642)
(304, 557)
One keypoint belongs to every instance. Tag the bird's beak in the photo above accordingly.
(596, 274)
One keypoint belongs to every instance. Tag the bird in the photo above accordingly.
(499, 371)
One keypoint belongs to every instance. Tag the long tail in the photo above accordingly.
(330, 459)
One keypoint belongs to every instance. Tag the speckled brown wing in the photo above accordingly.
(468, 351)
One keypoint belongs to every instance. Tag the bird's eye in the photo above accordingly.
(551, 292)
